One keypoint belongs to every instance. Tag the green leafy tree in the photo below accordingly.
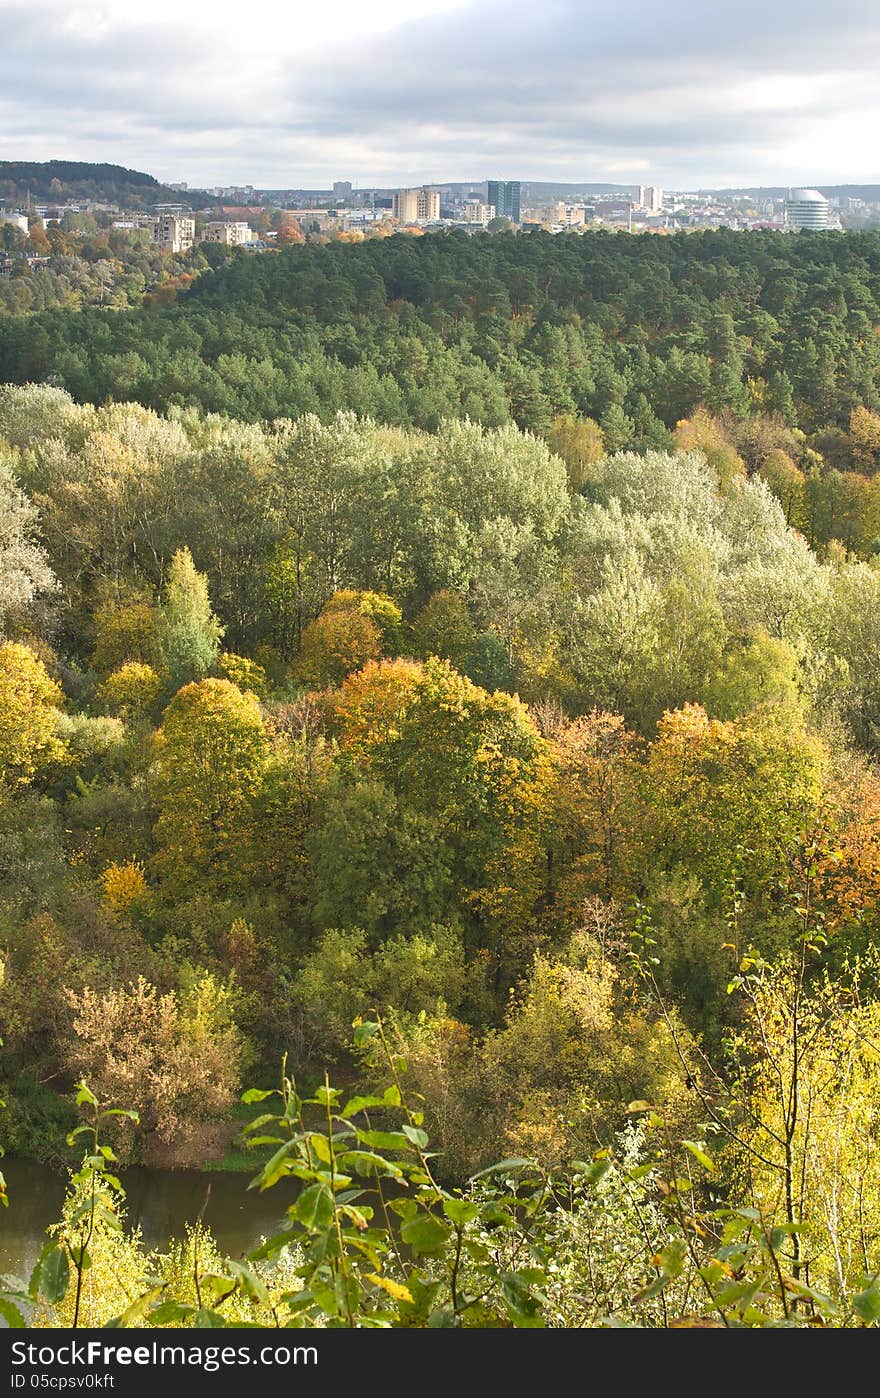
(191, 632)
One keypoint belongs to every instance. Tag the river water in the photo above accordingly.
(161, 1202)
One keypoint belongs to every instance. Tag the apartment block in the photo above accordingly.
(174, 233)
(476, 212)
(416, 205)
(235, 234)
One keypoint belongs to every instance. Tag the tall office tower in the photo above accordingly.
(807, 208)
(504, 195)
(342, 190)
(653, 200)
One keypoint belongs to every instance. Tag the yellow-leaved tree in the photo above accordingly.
(29, 705)
(213, 755)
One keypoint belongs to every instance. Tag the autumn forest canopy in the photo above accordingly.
(454, 663)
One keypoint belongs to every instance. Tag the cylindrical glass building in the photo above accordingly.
(807, 208)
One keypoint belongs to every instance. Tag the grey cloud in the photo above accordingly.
(687, 90)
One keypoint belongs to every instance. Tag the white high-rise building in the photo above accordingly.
(477, 212)
(174, 233)
(235, 234)
(416, 205)
(652, 199)
(807, 208)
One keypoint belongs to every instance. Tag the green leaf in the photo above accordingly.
(523, 1306)
(729, 1293)
(170, 1313)
(318, 1142)
(255, 1094)
(700, 1155)
(363, 1033)
(270, 1247)
(460, 1211)
(366, 1162)
(354, 1105)
(55, 1275)
(314, 1208)
(12, 1315)
(425, 1234)
(216, 1286)
(593, 1172)
(672, 1257)
(405, 1208)
(209, 1320)
(824, 1303)
(640, 1172)
(514, 1162)
(442, 1319)
(782, 1231)
(866, 1304)
(385, 1140)
(639, 1106)
(273, 1170)
(137, 1310)
(415, 1134)
(249, 1283)
(660, 1284)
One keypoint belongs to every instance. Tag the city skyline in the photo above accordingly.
(428, 91)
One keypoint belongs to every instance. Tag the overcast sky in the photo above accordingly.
(286, 93)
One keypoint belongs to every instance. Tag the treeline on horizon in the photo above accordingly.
(634, 332)
(75, 180)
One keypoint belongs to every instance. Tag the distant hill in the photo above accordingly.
(544, 189)
(869, 192)
(70, 181)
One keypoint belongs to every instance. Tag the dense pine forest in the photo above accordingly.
(453, 664)
(633, 331)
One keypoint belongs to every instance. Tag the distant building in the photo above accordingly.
(807, 208)
(652, 199)
(416, 205)
(477, 212)
(18, 220)
(173, 233)
(342, 190)
(504, 196)
(181, 186)
(571, 215)
(234, 234)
